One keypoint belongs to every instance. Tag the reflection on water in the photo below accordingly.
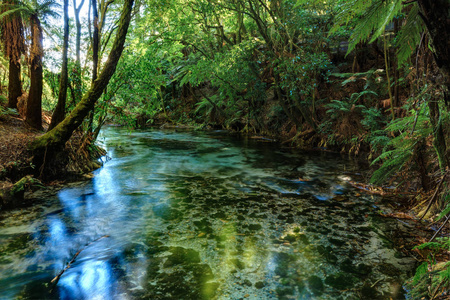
(187, 215)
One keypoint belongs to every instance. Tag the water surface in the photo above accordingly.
(195, 215)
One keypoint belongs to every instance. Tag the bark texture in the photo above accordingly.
(34, 103)
(15, 85)
(11, 34)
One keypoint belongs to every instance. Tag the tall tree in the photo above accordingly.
(95, 40)
(11, 30)
(77, 71)
(58, 136)
(34, 103)
(33, 11)
(60, 110)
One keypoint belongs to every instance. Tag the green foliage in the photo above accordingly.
(430, 277)
(446, 201)
(394, 161)
(444, 243)
(410, 35)
(370, 18)
(401, 148)
(444, 275)
(421, 270)
(357, 108)
(373, 119)
(6, 111)
(374, 21)
(3, 100)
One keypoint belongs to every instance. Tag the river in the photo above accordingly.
(179, 214)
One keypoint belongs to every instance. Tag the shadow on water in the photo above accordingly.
(188, 215)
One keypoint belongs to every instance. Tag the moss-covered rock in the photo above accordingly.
(12, 195)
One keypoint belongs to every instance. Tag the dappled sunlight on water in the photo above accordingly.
(195, 215)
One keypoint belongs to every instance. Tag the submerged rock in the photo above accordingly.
(315, 284)
(340, 281)
(181, 256)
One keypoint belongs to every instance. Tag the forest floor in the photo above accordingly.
(15, 135)
(16, 162)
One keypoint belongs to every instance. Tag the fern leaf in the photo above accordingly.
(444, 275)
(409, 35)
(388, 14)
(376, 17)
(446, 209)
(430, 245)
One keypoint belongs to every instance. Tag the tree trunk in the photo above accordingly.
(77, 71)
(95, 40)
(34, 103)
(15, 85)
(11, 34)
(60, 110)
(58, 136)
(439, 137)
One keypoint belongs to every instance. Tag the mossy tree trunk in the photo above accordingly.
(56, 138)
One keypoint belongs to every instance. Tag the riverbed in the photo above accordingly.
(177, 214)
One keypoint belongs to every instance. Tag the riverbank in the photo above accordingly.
(20, 178)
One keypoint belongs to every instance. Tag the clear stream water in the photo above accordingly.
(203, 215)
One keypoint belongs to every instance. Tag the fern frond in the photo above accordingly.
(205, 105)
(355, 96)
(444, 275)
(348, 11)
(375, 18)
(446, 210)
(429, 245)
(395, 160)
(409, 35)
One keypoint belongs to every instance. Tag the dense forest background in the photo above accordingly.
(367, 78)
